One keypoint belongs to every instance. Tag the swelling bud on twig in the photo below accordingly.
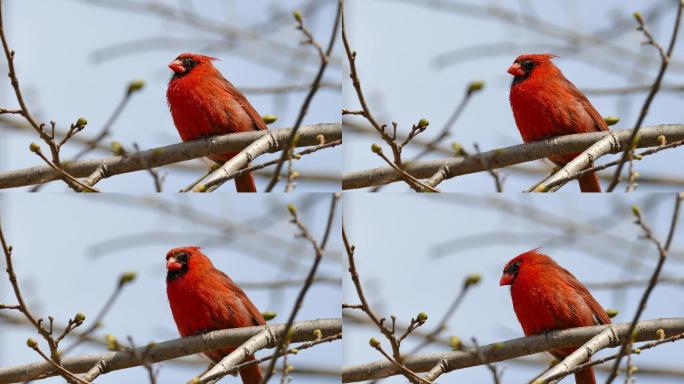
(611, 120)
(269, 119)
(298, 16)
(126, 277)
(458, 148)
(292, 209)
(455, 342)
(112, 343)
(475, 86)
(375, 148)
(422, 123)
(612, 312)
(373, 342)
(472, 279)
(635, 210)
(31, 342)
(79, 318)
(117, 148)
(135, 86)
(422, 317)
(637, 16)
(318, 334)
(81, 122)
(35, 148)
(269, 315)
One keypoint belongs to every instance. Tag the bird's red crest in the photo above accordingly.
(522, 66)
(185, 259)
(512, 268)
(196, 56)
(535, 57)
(185, 62)
(178, 250)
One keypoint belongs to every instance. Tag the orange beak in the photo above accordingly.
(516, 70)
(506, 278)
(177, 66)
(172, 264)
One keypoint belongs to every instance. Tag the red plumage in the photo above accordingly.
(546, 297)
(545, 104)
(204, 299)
(203, 103)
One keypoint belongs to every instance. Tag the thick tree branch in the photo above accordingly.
(580, 355)
(261, 340)
(301, 331)
(502, 157)
(350, 127)
(645, 330)
(169, 154)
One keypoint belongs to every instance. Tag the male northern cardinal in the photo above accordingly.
(204, 299)
(545, 104)
(203, 103)
(546, 297)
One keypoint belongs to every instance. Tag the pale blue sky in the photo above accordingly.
(57, 43)
(70, 251)
(398, 44)
(414, 251)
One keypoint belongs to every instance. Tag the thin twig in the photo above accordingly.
(665, 61)
(319, 250)
(315, 85)
(663, 249)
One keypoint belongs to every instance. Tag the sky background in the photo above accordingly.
(415, 61)
(413, 253)
(75, 58)
(69, 252)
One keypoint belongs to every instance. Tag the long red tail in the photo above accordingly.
(585, 376)
(589, 183)
(251, 374)
(245, 183)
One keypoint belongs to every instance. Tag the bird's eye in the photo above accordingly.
(527, 65)
(189, 63)
(513, 268)
(182, 257)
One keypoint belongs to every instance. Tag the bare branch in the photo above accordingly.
(301, 331)
(502, 157)
(169, 154)
(500, 351)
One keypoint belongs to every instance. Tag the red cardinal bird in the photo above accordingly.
(203, 103)
(545, 104)
(204, 299)
(546, 297)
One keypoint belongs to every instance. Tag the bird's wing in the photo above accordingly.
(244, 103)
(600, 315)
(597, 119)
(255, 316)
